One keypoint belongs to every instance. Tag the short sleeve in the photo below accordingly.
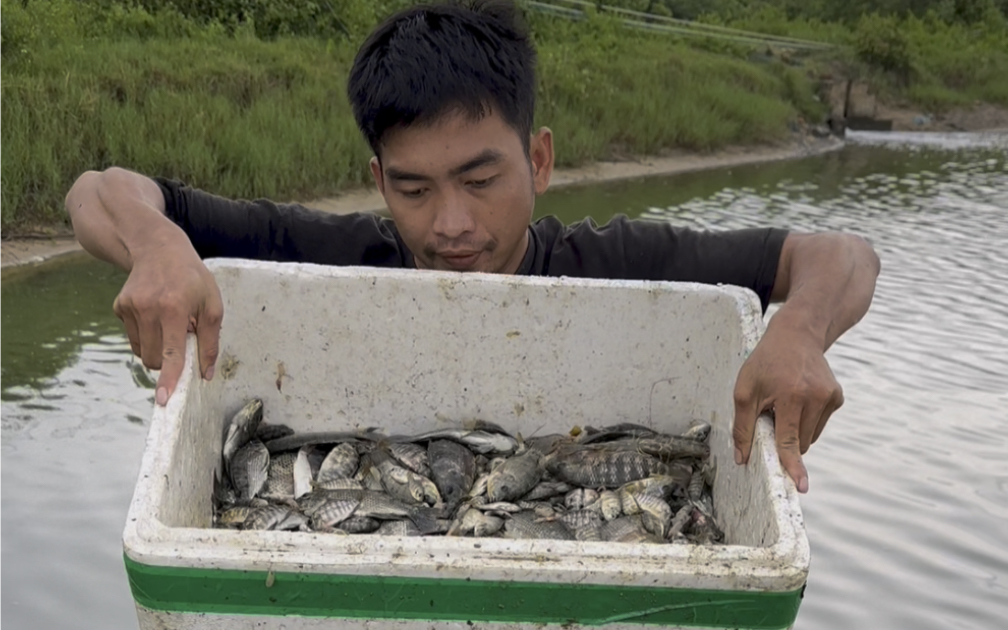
(264, 230)
(640, 249)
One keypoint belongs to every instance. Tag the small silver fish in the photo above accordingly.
(515, 477)
(655, 514)
(242, 428)
(528, 525)
(627, 529)
(341, 462)
(610, 505)
(698, 430)
(280, 477)
(411, 456)
(402, 483)
(249, 468)
(474, 522)
(580, 498)
(303, 477)
(547, 489)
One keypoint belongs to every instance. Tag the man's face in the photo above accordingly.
(461, 191)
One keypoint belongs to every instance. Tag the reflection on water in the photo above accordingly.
(909, 489)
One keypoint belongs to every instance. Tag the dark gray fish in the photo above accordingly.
(586, 525)
(528, 525)
(546, 444)
(601, 468)
(248, 469)
(397, 528)
(666, 447)
(623, 430)
(515, 477)
(412, 456)
(267, 432)
(242, 428)
(628, 529)
(453, 468)
(360, 525)
(223, 492)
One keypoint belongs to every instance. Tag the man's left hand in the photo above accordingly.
(788, 373)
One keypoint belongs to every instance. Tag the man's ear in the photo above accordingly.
(541, 156)
(376, 173)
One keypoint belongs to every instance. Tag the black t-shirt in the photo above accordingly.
(623, 249)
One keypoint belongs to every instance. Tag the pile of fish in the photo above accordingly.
(624, 483)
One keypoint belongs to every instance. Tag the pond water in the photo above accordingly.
(907, 513)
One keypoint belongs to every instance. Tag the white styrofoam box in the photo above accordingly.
(330, 348)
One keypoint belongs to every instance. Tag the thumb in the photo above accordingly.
(208, 326)
(173, 336)
(746, 412)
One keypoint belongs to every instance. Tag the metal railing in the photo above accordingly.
(674, 26)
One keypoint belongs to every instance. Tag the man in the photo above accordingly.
(445, 97)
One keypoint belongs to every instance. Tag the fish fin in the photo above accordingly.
(425, 520)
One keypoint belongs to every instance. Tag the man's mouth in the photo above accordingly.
(460, 260)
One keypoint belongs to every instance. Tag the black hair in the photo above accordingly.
(429, 60)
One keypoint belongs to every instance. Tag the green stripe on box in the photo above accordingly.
(179, 589)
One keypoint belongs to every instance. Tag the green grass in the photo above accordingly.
(248, 118)
(88, 85)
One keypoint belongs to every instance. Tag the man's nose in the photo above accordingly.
(453, 216)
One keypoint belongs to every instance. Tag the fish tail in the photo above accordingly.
(425, 520)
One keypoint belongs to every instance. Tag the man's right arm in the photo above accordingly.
(119, 217)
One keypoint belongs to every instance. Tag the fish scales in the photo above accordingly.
(359, 525)
(397, 528)
(267, 432)
(412, 456)
(341, 462)
(514, 477)
(249, 468)
(528, 525)
(242, 427)
(605, 468)
(586, 525)
(280, 476)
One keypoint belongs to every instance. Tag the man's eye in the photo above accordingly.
(481, 183)
(413, 193)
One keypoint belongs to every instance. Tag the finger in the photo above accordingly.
(208, 338)
(129, 323)
(746, 412)
(172, 356)
(810, 419)
(787, 423)
(835, 402)
(149, 331)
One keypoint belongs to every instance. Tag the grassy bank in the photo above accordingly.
(252, 104)
(243, 116)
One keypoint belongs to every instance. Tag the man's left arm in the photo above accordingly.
(826, 282)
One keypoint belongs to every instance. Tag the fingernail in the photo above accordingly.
(738, 456)
(161, 396)
(803, 485)
(209, 373)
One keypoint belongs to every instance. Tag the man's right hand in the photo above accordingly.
(169, 294)
(119, 217)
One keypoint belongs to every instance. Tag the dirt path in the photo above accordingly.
(26, 252)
